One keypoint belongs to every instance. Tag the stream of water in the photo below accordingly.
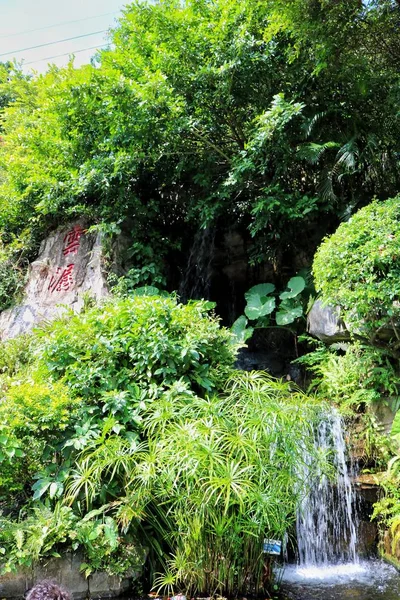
(328, 565)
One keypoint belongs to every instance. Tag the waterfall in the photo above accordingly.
(327, 518)
(196, 281)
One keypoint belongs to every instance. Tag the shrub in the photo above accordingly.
(86, 383)
(358, 269)
(214, 477)
(38, 408)
(145, 341)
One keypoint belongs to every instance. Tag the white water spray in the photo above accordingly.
(327, 518)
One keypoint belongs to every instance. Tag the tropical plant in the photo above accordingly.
(82, 382)
(214, 477)
(353, 376)
(262, 302)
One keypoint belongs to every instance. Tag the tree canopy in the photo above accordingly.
(274, 118)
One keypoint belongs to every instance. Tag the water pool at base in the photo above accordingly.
(369, 580)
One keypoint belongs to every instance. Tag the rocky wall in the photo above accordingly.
(66, 571)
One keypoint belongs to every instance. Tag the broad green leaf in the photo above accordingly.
(262, 289)
(256, 309)
(53, 489)
(209, 305)
(41, 487)
(146, 290)
(285, 317)
(254, 304)
(296, 285)
(267, 307)
(240, 329)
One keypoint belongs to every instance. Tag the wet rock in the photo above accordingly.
(384, 413)
(367, 538)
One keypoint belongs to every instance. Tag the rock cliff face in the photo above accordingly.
(68, 266)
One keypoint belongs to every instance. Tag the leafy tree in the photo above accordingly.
(274, 118)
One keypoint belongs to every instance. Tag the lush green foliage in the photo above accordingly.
(358, 269)
(213, 477)
(271, 117)
(77, 383)
(353, 376)
(364, 383)
(126, 425)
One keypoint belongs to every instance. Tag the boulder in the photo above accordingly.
(69, 266)
(324, 322)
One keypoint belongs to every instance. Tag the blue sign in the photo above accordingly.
(272, 547)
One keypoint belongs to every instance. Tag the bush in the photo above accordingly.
(215, 476)
(85, 383)
(147, 342)
(358, 269)
(139, 429)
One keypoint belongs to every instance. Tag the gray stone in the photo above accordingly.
(14, 585)
(69, 266)
(66, 571)
(324, 322)
(384, 413)
(102, 585)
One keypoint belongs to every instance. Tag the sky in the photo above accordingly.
(27, 23)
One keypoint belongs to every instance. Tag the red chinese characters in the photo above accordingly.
(62, 280)
(72, 240)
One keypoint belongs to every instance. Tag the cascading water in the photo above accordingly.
(327, 527)
(327, 518)
(196, 282)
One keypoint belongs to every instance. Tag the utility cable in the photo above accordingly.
(76, 37)
(65, 54)
(8, 35)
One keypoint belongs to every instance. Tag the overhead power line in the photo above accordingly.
(65, 54)
(8, 35)
(76, 37)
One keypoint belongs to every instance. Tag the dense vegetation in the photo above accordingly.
(128, 424)
(358, 270)
(272, 118)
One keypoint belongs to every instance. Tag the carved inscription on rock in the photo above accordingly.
(68, 265)
(62, 277)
